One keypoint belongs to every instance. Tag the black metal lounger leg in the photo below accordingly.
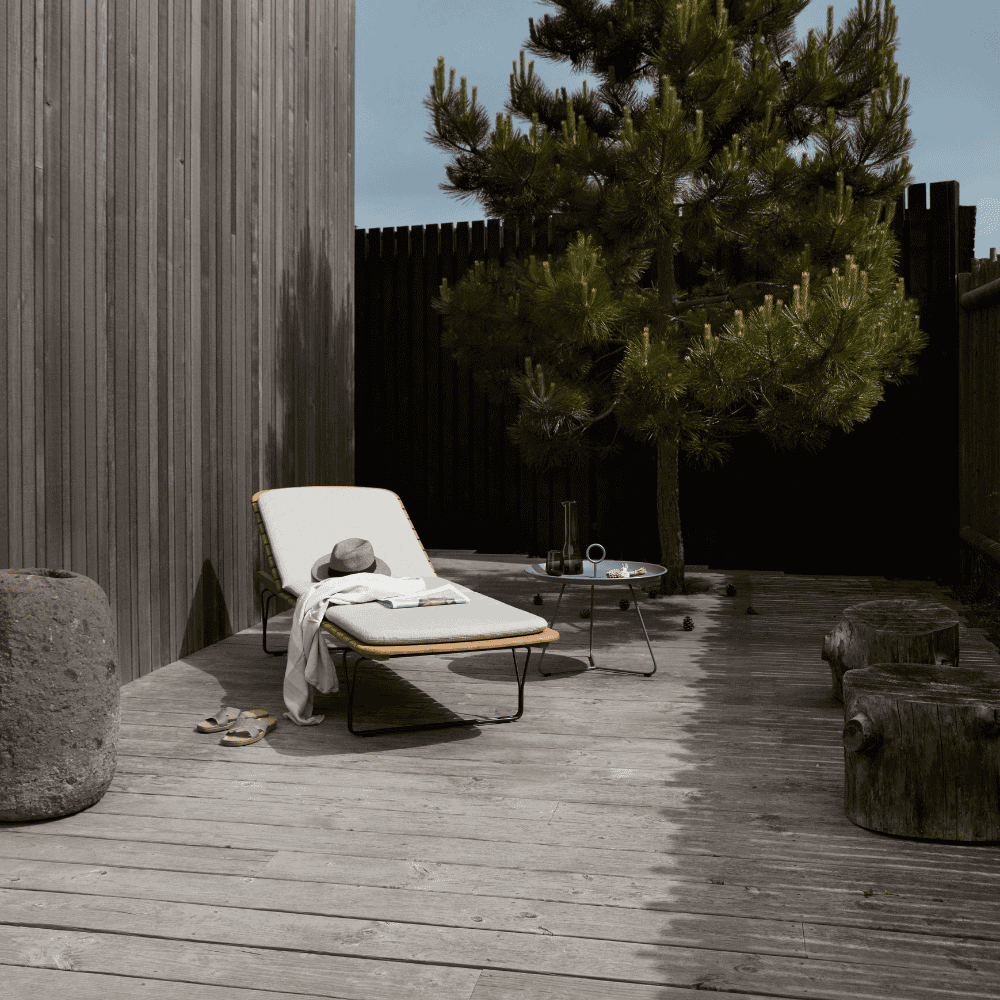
(351, 684)
(263, 613)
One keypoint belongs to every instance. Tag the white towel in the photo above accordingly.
(309, 662)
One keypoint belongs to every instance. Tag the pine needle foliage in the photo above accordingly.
(704, 164)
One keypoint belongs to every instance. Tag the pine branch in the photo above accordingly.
(606, 413)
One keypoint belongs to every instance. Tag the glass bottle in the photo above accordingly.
(572, 559)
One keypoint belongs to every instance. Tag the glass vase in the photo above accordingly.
(572, 557)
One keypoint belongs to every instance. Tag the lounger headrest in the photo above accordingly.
(302, 522)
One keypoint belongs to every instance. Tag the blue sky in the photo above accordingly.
(951, 59)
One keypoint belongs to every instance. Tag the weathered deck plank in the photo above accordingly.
(184, 961)
(634, 838)
(448, 952)
(25, 981)
(495, 985)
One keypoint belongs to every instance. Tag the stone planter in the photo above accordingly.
(59, 693)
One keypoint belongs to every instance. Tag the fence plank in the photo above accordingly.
(284, 299)
(481, 482)
(72, 320)
(449, 390)
(269, 286)
(32, 278)
(979, 349)
(86, 507)
(362, 333)
(225, 350)
(49, 443)
(144, 334)
(403, 376)
(439, 484)
(102, 522)
(239, 579)
(179, 481)
(415, 312)
(297, 243)
(13, 314)
(469, 448)
(159, 321)
(7, 184)
(119, 416)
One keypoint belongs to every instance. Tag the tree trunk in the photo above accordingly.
(896, 630)
(665, 278)
(922, 751)
(668, 513)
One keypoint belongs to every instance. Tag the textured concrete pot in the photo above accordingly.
(60, 702)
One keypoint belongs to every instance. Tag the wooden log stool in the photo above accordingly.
(897, 630)
(922, 751)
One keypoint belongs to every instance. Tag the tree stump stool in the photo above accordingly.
(922, 751)
(898, 630)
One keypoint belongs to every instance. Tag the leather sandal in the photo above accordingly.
(226, 719)
(247, 730)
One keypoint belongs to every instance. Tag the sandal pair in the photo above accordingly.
(243, 728)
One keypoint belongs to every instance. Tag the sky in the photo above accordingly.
(951, 60)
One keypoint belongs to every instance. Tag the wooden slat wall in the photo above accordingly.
(176, 294)
(465, 486)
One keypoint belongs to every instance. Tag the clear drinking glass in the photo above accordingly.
(554, 562)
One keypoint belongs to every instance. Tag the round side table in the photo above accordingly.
(596, 575)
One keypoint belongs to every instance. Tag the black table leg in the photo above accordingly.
(590, 652)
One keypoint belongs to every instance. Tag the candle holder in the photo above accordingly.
(591, 559)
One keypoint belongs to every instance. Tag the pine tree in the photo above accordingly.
(630, 183)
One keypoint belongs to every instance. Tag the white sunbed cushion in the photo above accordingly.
(482, 618)
(303, 523)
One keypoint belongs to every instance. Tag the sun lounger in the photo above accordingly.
(299, 524)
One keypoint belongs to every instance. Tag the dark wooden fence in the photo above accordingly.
(882, 499)
(426, 431)
(979, 425)
(176, 281)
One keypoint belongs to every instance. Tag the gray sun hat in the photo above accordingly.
(351, 555)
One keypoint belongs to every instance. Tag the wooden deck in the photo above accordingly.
(628, 838)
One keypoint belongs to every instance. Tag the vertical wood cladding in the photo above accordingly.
(176, 294)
